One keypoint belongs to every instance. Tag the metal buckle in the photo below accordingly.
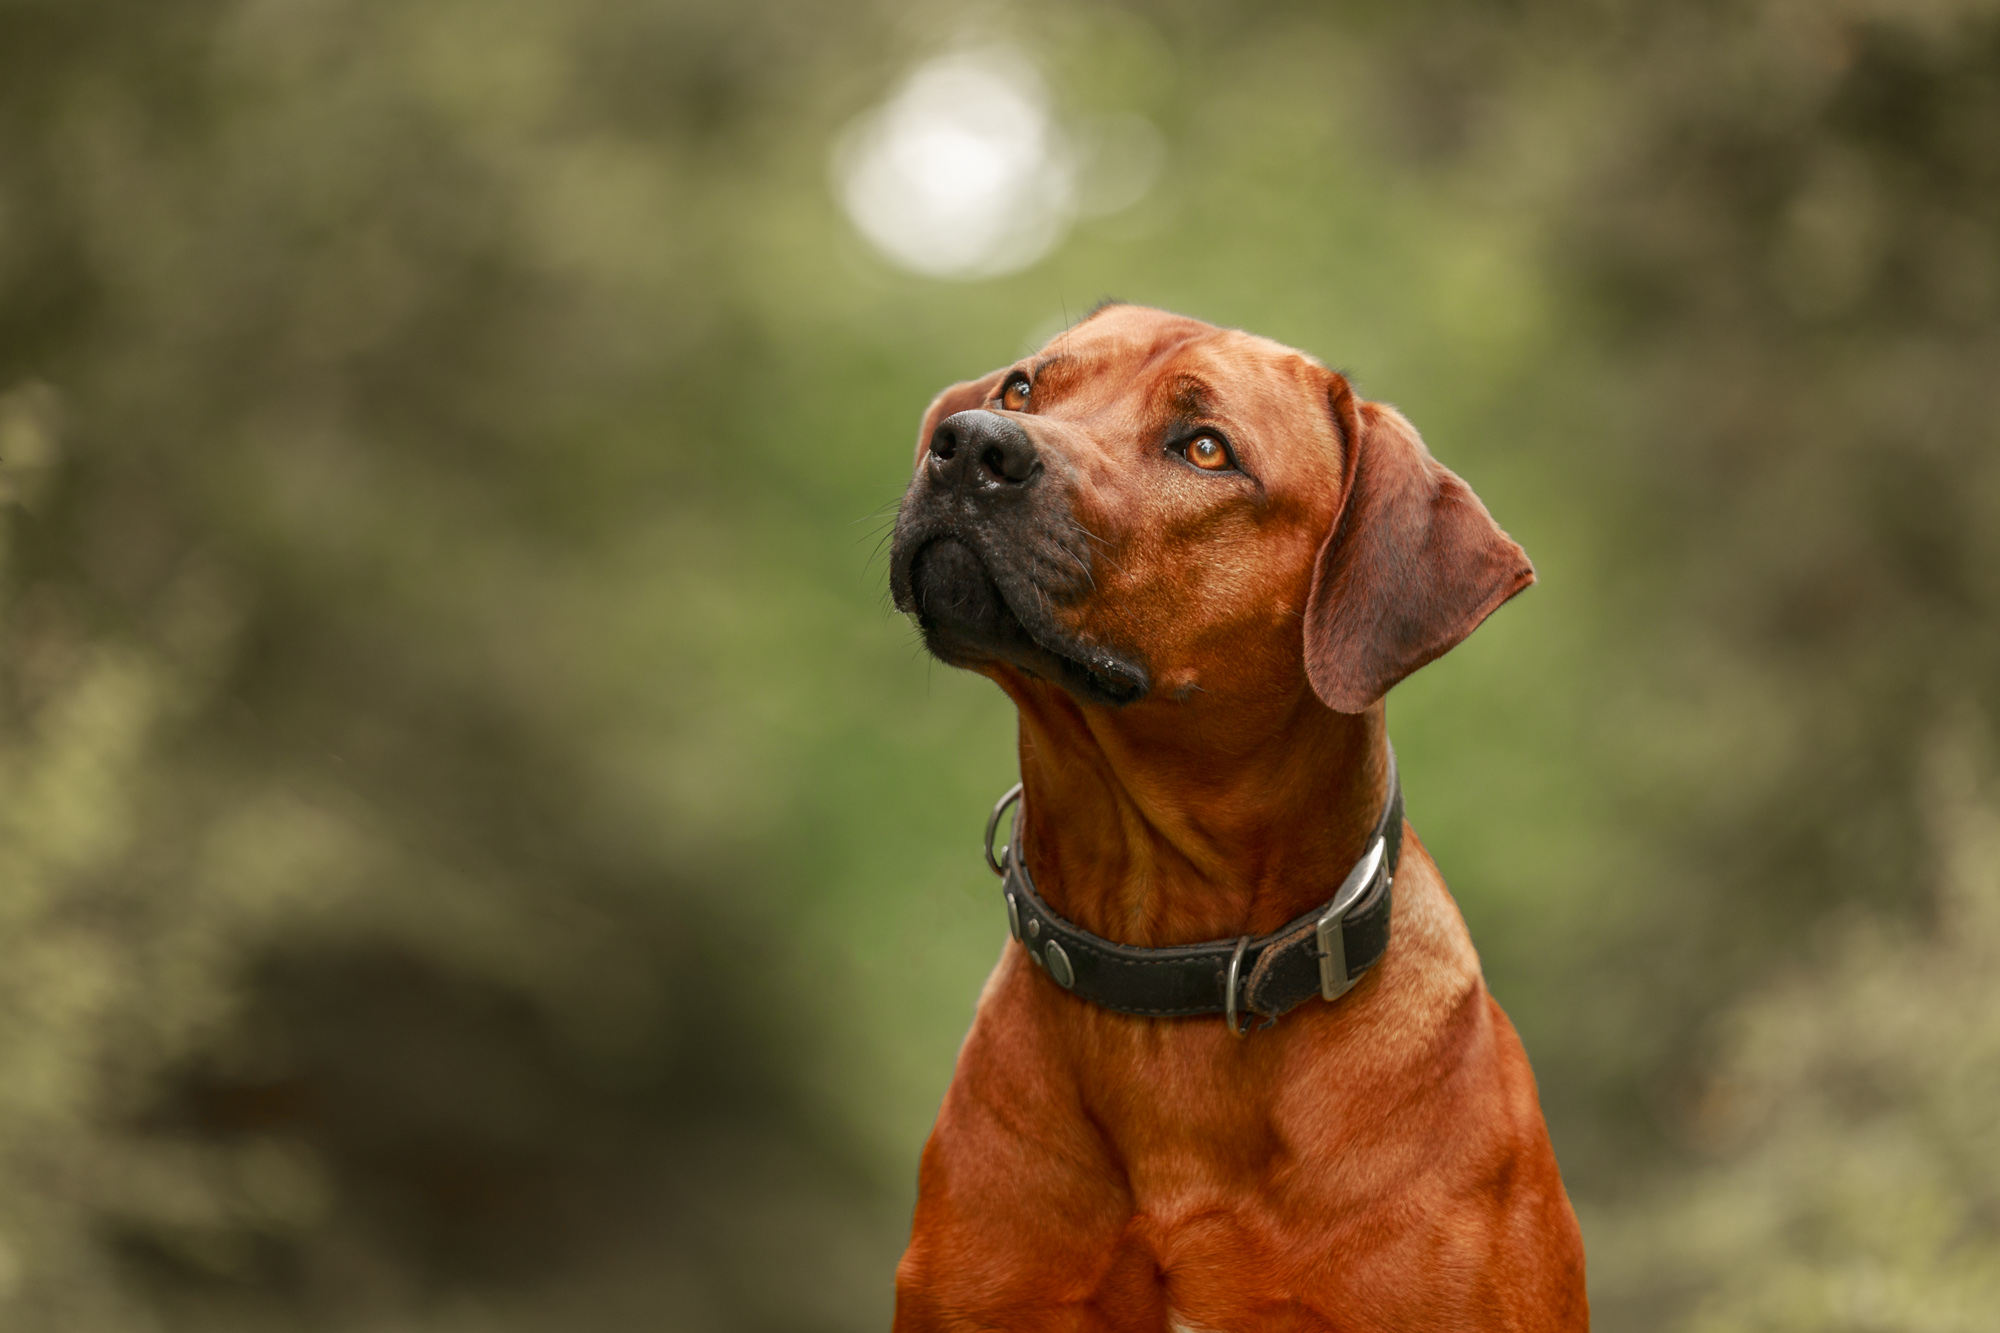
(1229, 988)
(1333, 978)
(993, 822)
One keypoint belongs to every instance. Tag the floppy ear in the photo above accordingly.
(960, 397)
(1413, 564)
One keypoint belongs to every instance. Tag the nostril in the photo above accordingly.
(982, 449)
(1010, 461)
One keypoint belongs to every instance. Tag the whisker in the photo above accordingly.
(1105, 552)
(886, 510)
(1081, 564)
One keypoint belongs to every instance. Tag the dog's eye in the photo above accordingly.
(1208, 453)
(1014, 397)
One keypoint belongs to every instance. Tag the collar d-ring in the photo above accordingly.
(1229, 988)
(998, 863)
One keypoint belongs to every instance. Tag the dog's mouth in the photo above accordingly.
(968, 618)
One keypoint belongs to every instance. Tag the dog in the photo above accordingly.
(1196, 561)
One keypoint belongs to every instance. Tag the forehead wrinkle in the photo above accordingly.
(1109, 348)
(1188, 389)
(1159, 379)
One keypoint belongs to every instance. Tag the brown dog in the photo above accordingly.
(1196, 562)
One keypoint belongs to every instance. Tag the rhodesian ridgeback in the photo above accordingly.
(1237, 1069)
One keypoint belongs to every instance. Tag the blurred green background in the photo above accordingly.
(479, 852)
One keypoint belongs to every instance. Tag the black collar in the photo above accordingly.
(1323, 952)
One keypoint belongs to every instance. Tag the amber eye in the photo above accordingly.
(1015, 396)
(1207, 453)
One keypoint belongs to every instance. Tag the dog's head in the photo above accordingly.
(1151, 506)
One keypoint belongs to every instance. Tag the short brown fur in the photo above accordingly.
(1375, 1163)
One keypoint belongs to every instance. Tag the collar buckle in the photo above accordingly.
(1333, 978)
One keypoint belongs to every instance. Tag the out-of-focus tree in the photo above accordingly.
(1848, 1132)
(343, 985)
(1789, 242)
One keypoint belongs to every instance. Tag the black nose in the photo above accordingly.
(984, 447)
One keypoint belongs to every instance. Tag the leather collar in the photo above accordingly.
(1323, 952)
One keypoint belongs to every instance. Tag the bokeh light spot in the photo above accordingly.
(964, 171)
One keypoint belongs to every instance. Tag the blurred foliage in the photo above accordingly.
(479, 852)
(1850, 1122)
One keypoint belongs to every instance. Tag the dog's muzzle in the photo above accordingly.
(986, 556)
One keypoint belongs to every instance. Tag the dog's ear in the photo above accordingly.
(1413, 564)
(960, 397)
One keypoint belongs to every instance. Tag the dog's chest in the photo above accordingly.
(1202, 1133)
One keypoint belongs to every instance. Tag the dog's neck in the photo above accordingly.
(1173, 822)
